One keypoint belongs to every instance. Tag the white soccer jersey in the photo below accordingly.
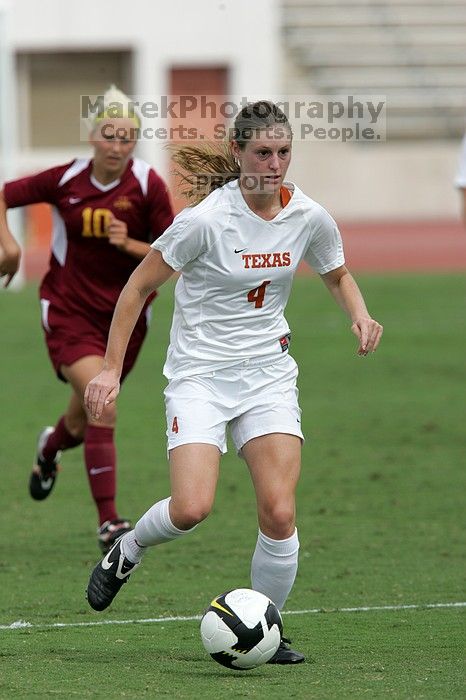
(236, 276)
(460, 180)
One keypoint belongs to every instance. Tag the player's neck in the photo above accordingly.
(267, 206)
(105, 177)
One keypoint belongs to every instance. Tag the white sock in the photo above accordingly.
(155, 527)
(131, 548)
(274, 566)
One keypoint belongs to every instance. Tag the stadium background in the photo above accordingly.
(394, 200)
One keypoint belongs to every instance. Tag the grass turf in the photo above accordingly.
(380, 511)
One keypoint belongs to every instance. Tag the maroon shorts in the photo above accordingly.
(69, 337)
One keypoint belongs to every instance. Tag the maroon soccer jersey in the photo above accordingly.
(86, 272)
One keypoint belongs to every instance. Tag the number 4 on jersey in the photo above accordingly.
(257, 294)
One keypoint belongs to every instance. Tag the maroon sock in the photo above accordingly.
(60, 439)
(100, 458)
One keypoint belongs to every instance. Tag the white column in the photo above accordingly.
(8, 124)
(151, 82)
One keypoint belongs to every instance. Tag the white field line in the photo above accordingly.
(22, 624)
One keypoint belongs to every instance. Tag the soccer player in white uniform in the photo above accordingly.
(228, 362)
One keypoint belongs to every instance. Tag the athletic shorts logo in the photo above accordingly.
(285, 342)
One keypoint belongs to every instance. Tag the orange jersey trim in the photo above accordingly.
(285, 196)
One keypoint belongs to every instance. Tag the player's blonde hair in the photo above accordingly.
(206, 167)
(115, 104)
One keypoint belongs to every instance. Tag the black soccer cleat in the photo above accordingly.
(108, 577)
(285, 655)
(110, 531)
(44, 472)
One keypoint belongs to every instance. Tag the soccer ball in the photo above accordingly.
(241, 629)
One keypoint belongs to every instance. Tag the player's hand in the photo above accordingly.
(117, 233)
(10, 259)
(101, 391)
(369, 332)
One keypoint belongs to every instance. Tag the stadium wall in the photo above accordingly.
(401, 181)
(241, 35)
(393, 181)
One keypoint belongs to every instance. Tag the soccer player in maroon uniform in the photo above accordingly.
(106, 212)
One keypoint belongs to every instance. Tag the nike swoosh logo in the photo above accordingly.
(106, 564)
(46, 484)
(74, 200)
(241, 250)
(98, 470)
(119, 573)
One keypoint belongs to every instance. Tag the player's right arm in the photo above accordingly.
(10, 252)
(41, 187)
(149, 275)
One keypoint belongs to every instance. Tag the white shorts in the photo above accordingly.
(252, 401)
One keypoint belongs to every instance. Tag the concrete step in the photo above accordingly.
(406, 56)
(386, 15)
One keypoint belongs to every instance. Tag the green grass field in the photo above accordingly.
(380, 508)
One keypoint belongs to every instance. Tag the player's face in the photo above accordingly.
(265, 158)
(113, 141)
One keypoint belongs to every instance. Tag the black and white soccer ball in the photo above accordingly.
(241, 629)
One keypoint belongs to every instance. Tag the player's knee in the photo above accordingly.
(277, 520)
(76, 425)
(187, 515)
(108, 417)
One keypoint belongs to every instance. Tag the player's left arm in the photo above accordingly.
(347, 294)
(117, 231)
(159, 217)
